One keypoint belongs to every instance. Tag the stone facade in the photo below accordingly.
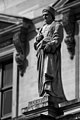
(26, 103)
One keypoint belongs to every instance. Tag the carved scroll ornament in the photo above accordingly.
(19, 40)
(69, 26)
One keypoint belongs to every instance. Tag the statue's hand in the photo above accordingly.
(35, 45)
(39, 38)
(50, 47)
(45, 42)
(47, 48)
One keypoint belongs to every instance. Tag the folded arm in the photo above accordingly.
(56, 38)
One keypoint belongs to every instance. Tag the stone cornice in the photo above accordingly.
(68, 6)
(15, 31)
(15, 26)
(10, 18)
(59, 4)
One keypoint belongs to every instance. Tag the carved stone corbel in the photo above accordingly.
(69, 26)
(19, 40)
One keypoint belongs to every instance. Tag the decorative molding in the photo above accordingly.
(67, 5)
(69, 110)
(12, 19)
(59, 4)
(69, 26)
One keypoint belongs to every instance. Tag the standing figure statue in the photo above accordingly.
(48, 45)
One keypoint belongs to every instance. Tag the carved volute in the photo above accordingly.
(69, 25)
(20, 41)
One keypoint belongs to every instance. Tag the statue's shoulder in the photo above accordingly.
(58, 22)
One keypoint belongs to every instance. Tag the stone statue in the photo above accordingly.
(48, 45)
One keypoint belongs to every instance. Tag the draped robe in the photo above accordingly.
(49, 61)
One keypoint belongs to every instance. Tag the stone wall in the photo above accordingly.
(28, 84)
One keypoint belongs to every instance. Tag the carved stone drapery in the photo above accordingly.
(19, 40)
(69, 25)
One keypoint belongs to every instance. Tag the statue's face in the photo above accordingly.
(47, 17)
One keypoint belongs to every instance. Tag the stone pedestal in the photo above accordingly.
(46, 108)
(43, 109)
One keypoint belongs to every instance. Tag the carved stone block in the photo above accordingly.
(20, 43)
(43, 106)
(69, 25)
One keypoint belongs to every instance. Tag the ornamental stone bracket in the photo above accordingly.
(69, 26)
(20, 43)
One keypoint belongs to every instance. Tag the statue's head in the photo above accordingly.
(48, 14)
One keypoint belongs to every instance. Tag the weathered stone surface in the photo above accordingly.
(42, 106)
